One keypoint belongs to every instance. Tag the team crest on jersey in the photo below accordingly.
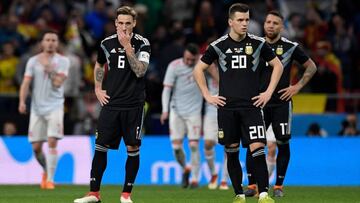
(220, 134)
(248, 49)
(96, 134)
(279, 50)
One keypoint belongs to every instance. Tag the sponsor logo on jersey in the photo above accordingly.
(228, 51)
(248, 49)
(279, 50)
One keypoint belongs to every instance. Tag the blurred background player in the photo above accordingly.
(122, 97)
(278, 111)
(240, 100)
(210, 129)
(48, 71)
(181, 104)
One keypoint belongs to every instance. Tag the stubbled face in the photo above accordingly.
(239, 22)
(272, 26)
(50, 42)
(190, 59)
(125, 23)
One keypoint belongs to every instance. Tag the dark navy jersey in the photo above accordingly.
(286, 51)
(238, 63)
(126, 91)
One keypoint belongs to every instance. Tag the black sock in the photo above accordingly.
(250, 167)
(234, 169)
(98, 167)
(132, 168)
(282, 162)
(260, 169)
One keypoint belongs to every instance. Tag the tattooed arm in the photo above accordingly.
(98, 78)
(310, 70)
(139, 67)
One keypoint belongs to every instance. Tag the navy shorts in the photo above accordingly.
(245, 125)
(116, 124)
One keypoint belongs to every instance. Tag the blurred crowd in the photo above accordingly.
(329, 30)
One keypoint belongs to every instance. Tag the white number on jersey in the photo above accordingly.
(238, 61)
(257, 132)
(121, 61)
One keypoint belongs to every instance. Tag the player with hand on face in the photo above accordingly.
(122, 96)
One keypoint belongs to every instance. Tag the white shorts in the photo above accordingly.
(270, 136)
(180, 125)
(210, 127)
(43, 126)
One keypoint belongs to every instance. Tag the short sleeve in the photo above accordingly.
(266, 52)
(29, 69)
(144, 51)
(101, 58)
(210, 55)
(170, 76)
(299, 55)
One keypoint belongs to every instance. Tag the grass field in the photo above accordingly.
(172, 194)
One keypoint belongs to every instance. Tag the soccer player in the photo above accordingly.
(240, 101)
(210, 129)
(183, 109)
(278, 112)
(48, 71)
(122, 97)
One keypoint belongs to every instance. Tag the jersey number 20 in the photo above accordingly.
(238, 61)
(121, 61)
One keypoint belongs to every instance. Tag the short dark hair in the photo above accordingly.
(43, 33)
(238, 7)
(276, 13)
(192, 48)
(126, 10)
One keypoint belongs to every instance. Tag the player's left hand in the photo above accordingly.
(289, 92)
(124, 38)
(262, 99)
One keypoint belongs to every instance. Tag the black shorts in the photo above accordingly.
(114, 124)
(245, 125)
(280, 118)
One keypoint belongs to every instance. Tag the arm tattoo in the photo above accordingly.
(308, 74)
(137, 66)
(99, 74)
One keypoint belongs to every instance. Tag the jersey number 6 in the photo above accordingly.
(121, 61)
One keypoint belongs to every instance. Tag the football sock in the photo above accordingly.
(282, 162)
(98, 167)
(51, 164)
(224, 171)
(210, 156)
(260, 169)
(131, 168)
(180, 156)
(40, 157)
(195, 161)
(271, 164)
(250, 167)
(234, 169)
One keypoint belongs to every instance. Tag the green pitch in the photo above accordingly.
(172, 194)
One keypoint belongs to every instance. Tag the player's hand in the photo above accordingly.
(215, 100)
(22, 108)
(164, 116)
(289, 92)
(102, 96)
(124, 38)
(262, 99)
